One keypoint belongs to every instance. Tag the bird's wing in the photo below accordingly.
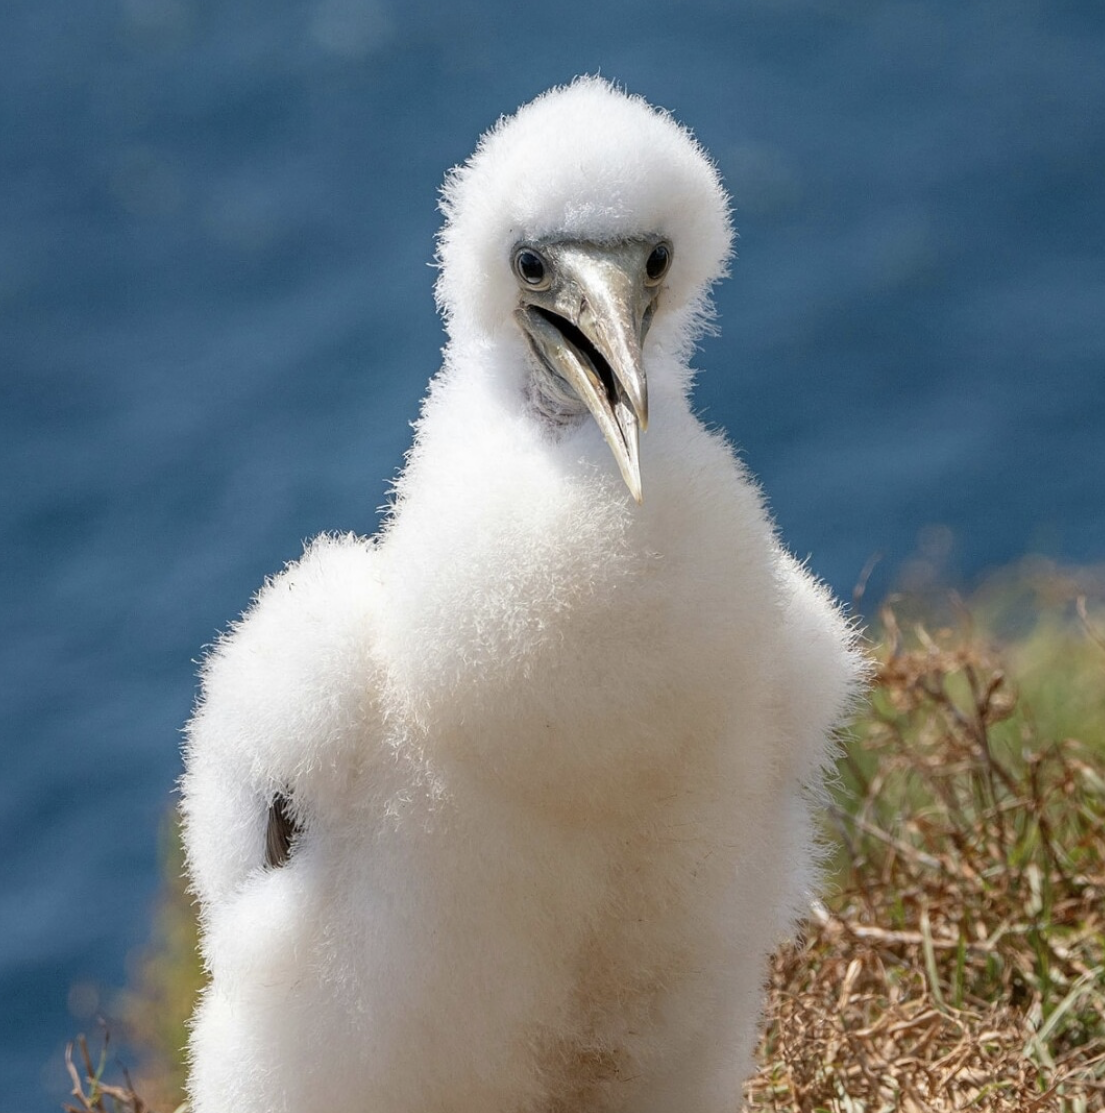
(282, 828)
(822, 667)
(284, 692)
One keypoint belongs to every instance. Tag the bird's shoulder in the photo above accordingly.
(300, 655)
(822, 657)
(325, 597)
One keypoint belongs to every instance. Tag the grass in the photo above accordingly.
(961, 964)
(960, 961)
(92, 1093)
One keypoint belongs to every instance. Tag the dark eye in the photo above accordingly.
(658, 262)
(531, 268)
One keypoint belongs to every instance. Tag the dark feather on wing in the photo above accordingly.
(282, 830)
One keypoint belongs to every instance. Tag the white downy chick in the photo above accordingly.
(503, 810)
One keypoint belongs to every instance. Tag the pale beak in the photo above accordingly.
(587, 327)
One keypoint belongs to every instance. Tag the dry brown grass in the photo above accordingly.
(91, 1093)
(960, 964)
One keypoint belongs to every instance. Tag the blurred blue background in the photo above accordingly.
(216, 323)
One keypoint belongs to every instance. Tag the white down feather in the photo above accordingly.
(552, 751)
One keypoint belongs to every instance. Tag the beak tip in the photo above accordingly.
(634, 486)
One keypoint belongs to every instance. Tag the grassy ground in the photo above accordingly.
(959, 962)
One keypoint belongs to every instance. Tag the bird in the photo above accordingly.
(503, 809)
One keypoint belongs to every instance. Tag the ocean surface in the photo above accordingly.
(216, 322)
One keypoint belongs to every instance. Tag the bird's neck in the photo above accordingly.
(525, 588)
(522, 518)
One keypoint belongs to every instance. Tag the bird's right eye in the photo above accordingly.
(532, 269)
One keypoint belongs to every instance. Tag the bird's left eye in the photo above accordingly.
(532, 269)
(657, 264)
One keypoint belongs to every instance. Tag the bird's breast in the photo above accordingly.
(547, 629)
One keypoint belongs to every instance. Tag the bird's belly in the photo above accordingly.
(554, 957)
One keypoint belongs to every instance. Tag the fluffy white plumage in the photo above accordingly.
(549, 751)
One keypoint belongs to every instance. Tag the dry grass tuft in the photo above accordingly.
(962, 965)
(92, 1093)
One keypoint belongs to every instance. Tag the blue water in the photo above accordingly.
(216, 323)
